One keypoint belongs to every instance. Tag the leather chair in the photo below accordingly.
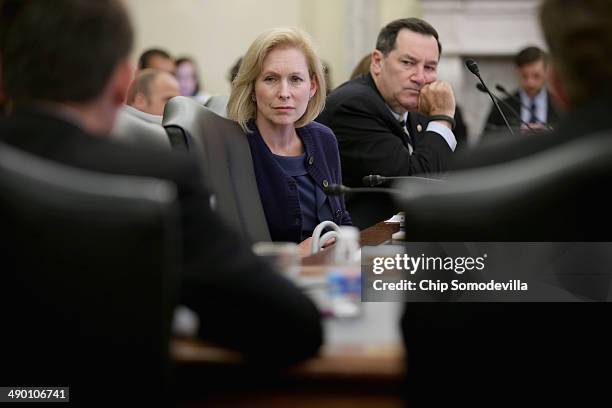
(225, 155)
(89, 270)
(554, 196)
(557, 195)
(136, 131)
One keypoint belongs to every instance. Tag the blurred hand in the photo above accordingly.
(533, 126)
(304, 247)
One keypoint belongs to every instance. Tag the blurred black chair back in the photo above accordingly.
(557, 195)
(89, 269)
(136, 131)
(367, 209)
(226, 158)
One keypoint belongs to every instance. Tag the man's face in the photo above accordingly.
(532, 77)
(161, 63)
(400, 75)
(163, 88)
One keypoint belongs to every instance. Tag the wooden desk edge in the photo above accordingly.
(364, 362)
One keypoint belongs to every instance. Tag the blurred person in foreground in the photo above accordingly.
(490, 354)
(64, 110)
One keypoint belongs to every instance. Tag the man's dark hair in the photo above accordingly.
(145, 58)
(64, 50)
(386, 41)
(530, 55)
(9, 9)
(579, 36)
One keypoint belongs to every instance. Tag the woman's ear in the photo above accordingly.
(313, 87)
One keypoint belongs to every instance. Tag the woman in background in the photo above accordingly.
(189, 83)
(278, 92)
(190, 86)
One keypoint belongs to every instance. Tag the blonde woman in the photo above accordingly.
(278, 92)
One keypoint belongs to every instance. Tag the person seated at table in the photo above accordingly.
(279, 90)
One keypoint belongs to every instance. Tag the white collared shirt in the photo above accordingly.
(446, 133)
(541, 105)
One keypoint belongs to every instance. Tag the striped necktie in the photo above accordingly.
(408, 137)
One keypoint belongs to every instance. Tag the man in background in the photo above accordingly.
(532, 100)
(140, 120)
(158, 59)
(150, 91)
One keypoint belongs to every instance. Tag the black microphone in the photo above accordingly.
(339, 189)
(513, 111)
(517, 100)
(375, 179)
(473, 68)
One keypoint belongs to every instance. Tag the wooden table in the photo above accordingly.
(361, 364)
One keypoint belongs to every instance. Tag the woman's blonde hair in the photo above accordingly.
(241, 107)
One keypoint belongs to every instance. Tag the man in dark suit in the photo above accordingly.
(65, 67)
(370, 114)
(398, 119)
(531, 101)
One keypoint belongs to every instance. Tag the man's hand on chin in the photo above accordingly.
(437, 98)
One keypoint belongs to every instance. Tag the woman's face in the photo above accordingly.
(185, 75)
(284, 87)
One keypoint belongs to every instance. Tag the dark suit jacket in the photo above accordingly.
(240, 301)
(496, 122)
(371, 140)
(279, 192)
(550, 351)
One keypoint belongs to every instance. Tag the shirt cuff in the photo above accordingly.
(445, 132)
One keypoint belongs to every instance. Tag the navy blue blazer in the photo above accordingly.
(279, 192)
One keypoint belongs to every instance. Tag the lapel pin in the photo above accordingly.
(419, 127)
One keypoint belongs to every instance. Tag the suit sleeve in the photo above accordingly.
(240, 301)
